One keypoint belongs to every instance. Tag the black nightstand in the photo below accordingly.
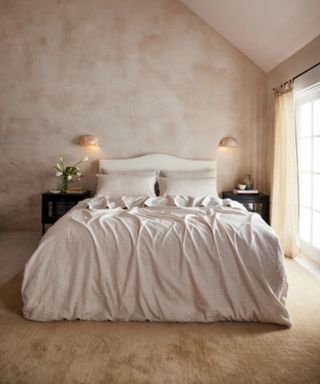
(55, 205)
(259, 203)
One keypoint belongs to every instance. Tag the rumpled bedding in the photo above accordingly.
(172, 258)
(103, 202)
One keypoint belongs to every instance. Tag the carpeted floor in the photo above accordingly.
(88, 352)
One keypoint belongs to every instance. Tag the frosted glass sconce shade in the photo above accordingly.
(229, 142)
(88, 141)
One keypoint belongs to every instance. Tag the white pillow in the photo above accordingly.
(194, 174)
(116, 185)
(137, 172)
(188, 186)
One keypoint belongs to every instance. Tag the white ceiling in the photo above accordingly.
(267, 31)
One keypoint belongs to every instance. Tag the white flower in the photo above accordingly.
(78, 174)
(61, 159)
(58, 173)
(69, 177)
(85, 158)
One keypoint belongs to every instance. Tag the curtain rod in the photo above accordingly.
(300, 74)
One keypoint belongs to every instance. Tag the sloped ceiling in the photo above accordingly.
(267, 31)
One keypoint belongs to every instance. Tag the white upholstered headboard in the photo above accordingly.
(157, 161)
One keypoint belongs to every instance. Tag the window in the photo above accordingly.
(308, 137)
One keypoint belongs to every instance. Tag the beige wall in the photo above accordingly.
(143, 76)
(295, 64)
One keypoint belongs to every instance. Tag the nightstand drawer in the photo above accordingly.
(58, 208)
(259, 203)
(254, 207)
(55, 205)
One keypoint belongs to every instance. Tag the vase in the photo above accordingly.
(248, 181)
(65, 184)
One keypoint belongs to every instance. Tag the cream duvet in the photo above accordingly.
(158, 263)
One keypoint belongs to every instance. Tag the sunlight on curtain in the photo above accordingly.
(285, 201)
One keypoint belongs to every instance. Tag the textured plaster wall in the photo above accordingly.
(142, 75)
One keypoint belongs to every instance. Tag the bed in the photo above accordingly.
(177, 258)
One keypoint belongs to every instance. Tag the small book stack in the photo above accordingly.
(76, 190)
(245, 191)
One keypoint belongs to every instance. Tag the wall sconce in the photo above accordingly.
(88, 141)
(229, 142)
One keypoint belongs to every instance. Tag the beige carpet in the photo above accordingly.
(89, 352)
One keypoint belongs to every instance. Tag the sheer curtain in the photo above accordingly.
(285, 199)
